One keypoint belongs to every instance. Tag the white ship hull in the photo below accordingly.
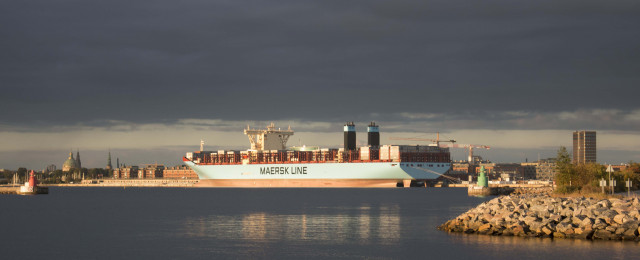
(354, 174)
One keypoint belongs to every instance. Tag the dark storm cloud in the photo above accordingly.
(90, 63)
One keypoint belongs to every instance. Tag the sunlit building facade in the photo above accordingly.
(584, 147)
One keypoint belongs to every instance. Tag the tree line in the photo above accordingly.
(585, 178)
(57, 176)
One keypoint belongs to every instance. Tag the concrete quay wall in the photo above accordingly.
(526, 185)
(131, 183)
(9, 190)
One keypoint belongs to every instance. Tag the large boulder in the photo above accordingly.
(587, 223)
(547, 231)
(620, 218)
(536, 227)
(603, 234)
(605, 203)
(530, 219)
(484, 228)
(559, 235)
(577, 219)
(600, 224)
(584, 233)
(563, 227)
(518, 229)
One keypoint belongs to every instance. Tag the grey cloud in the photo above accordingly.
(595, 119)
(612, 120)
(87, 63)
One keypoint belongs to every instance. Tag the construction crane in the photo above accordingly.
(468, 146)
(437, 140)
(452, 145)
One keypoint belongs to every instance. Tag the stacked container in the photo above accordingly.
(384, 152)
(394, 153)
(365, 154)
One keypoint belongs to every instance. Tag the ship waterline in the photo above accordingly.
(299, 183)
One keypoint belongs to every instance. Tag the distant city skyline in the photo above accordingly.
(149, 80)
(503, 149)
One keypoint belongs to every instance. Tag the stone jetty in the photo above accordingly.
(541, 215)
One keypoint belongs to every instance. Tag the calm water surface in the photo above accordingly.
(172, 223)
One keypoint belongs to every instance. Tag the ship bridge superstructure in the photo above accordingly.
(268, 139)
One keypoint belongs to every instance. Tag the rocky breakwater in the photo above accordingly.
(532, 190)
(536, 215)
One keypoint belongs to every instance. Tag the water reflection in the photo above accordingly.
(499, 246)
(253, 226)
(364, 224)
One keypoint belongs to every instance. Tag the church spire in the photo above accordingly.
(109, 166)
(78, 159)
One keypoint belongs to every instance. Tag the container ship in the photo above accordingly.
(270, 164)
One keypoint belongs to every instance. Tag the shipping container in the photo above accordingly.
(394, 153)
(364, 153)
(384, 152)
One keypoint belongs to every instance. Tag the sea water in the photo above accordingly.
(274, 223)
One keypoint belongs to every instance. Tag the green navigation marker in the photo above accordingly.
(482, 178)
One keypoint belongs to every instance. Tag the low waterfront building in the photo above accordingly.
(179, 172)
(621, 167)
(462, 167)
(151, 171)
(469, 172)
(546, 169)
(508, 171)
(461, 170)
(529, 170)
(126, 172)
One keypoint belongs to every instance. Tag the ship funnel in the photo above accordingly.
(349, 136)
(373, 135)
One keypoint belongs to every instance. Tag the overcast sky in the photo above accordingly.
(149, 79)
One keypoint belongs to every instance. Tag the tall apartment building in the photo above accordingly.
(584, 147)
